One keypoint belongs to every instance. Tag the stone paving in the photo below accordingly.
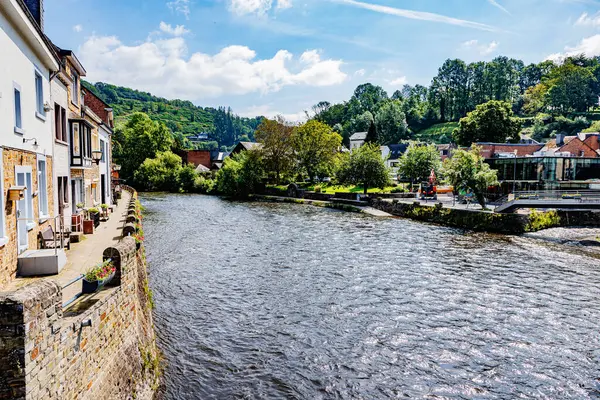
(86, 253)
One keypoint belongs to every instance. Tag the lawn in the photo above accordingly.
(438, 133)
(332, 189)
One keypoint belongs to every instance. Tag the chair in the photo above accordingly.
(50, 240)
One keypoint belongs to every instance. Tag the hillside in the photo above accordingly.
(438, 133)
(181, 116)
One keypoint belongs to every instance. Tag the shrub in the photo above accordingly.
(99, 271)
(318, 189)
(204, 185)
(542, 220)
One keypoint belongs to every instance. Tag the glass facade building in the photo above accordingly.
(543, 173)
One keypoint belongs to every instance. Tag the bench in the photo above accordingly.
(51, 240)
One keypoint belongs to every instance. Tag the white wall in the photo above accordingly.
(18, 65)
(61, 155)
(104, 167)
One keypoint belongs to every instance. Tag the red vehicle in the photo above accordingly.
(428, 191)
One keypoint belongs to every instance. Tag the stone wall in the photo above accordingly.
(9, 252)
(103, 348)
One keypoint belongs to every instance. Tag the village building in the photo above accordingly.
(27, 196)
(357, 140)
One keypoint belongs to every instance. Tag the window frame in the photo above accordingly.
(39, 94)
(42, 186)
(18, 109)
(75, 88)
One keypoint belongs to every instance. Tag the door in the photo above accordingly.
(22, 214)
(103, 188)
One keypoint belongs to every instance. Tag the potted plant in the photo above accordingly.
(92, 221)
(97, 276)
(139, 239)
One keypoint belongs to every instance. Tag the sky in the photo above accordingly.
(270, 57)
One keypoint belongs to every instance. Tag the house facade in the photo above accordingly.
(26, 123)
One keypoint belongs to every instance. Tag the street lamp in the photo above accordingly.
(97, 156)
(515, 173)
(116, 167)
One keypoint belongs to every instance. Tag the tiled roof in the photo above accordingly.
(359, 136)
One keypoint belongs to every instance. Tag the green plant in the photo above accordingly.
(93, 210)
(318, 189)
(79, 205)
(398, 189)
(104, 206)
(100, 271)
(542, 220)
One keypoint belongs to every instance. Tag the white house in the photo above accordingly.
(26, 124)
(357, 140)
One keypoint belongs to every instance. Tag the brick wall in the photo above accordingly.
(9, 252)
(47, 354)
(197, 157)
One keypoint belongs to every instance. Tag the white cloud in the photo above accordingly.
(401, 81)
(180, 6)
(178, 30)
(589, 46)
(499, 6)
(360, 72)
(77, 28)
(483, 49)
(418, 15)
(260, 7)
(267, 110)
(586, 20)
(164, 67)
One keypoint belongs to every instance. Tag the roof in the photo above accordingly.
(489, 150)
(359, 136)
(201, 168)
(396, 150)
(593, 141)
(250, 145)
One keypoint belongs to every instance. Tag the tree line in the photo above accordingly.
(548, 91)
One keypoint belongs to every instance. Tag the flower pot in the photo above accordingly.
(91, 287)
(88, 227)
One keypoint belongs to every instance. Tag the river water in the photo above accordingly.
(257, 300)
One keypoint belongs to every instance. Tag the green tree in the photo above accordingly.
(418, 161)
(316, 147)
(372, 134)
(368, 96)
(276, 139)
(489, 122)
(138, 139)
(391, 123)
(241, 175)
(467, 170)
(364, 166)
(160, 173)
(571, 87)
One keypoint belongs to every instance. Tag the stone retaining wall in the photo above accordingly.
(101, 348)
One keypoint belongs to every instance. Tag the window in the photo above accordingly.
(18, 119)
(42, 189)
(60, 123)
(39, 95)
(63, 193)
(81, 144)
(103, 150)
(74, 88)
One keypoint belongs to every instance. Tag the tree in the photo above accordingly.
(276, 139)
(140, 138)
(372, 134)
(160, 173)
(391, 123)
(364, 166)
(368, 96)
(418, 161)
(316, 147)
(241, 174)
(571, 87)
(489, 122)
(467, 170)
(535, 99)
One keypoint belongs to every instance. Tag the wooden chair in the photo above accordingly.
(50, 240)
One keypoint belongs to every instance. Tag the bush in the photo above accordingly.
(542, 220)
(398, 189)
(204, 185)
(187, 178)
(241, 174)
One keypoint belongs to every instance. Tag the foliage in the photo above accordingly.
(276, 139)
(315, 146)
(160, 173)
(418, 161)
(364, 166)
(241, 175)
(372, 134)
(187, 178)
(93, 210)
(204, 185)
(489, 122)
(179, 116)
(138, 139)
(467, 170)
(542, 220)
(546, 126)
(104, 206)
(99, 271)
(390, 122)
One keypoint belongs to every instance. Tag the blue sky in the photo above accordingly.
(282, 56)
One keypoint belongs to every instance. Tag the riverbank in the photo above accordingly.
(102, 344)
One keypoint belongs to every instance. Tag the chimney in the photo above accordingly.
(36, 8)
(560, 139)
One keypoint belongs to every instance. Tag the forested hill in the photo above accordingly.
(181, 116)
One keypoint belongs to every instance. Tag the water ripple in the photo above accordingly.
(286, 301)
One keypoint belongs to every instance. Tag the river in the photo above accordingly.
(258, 300)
